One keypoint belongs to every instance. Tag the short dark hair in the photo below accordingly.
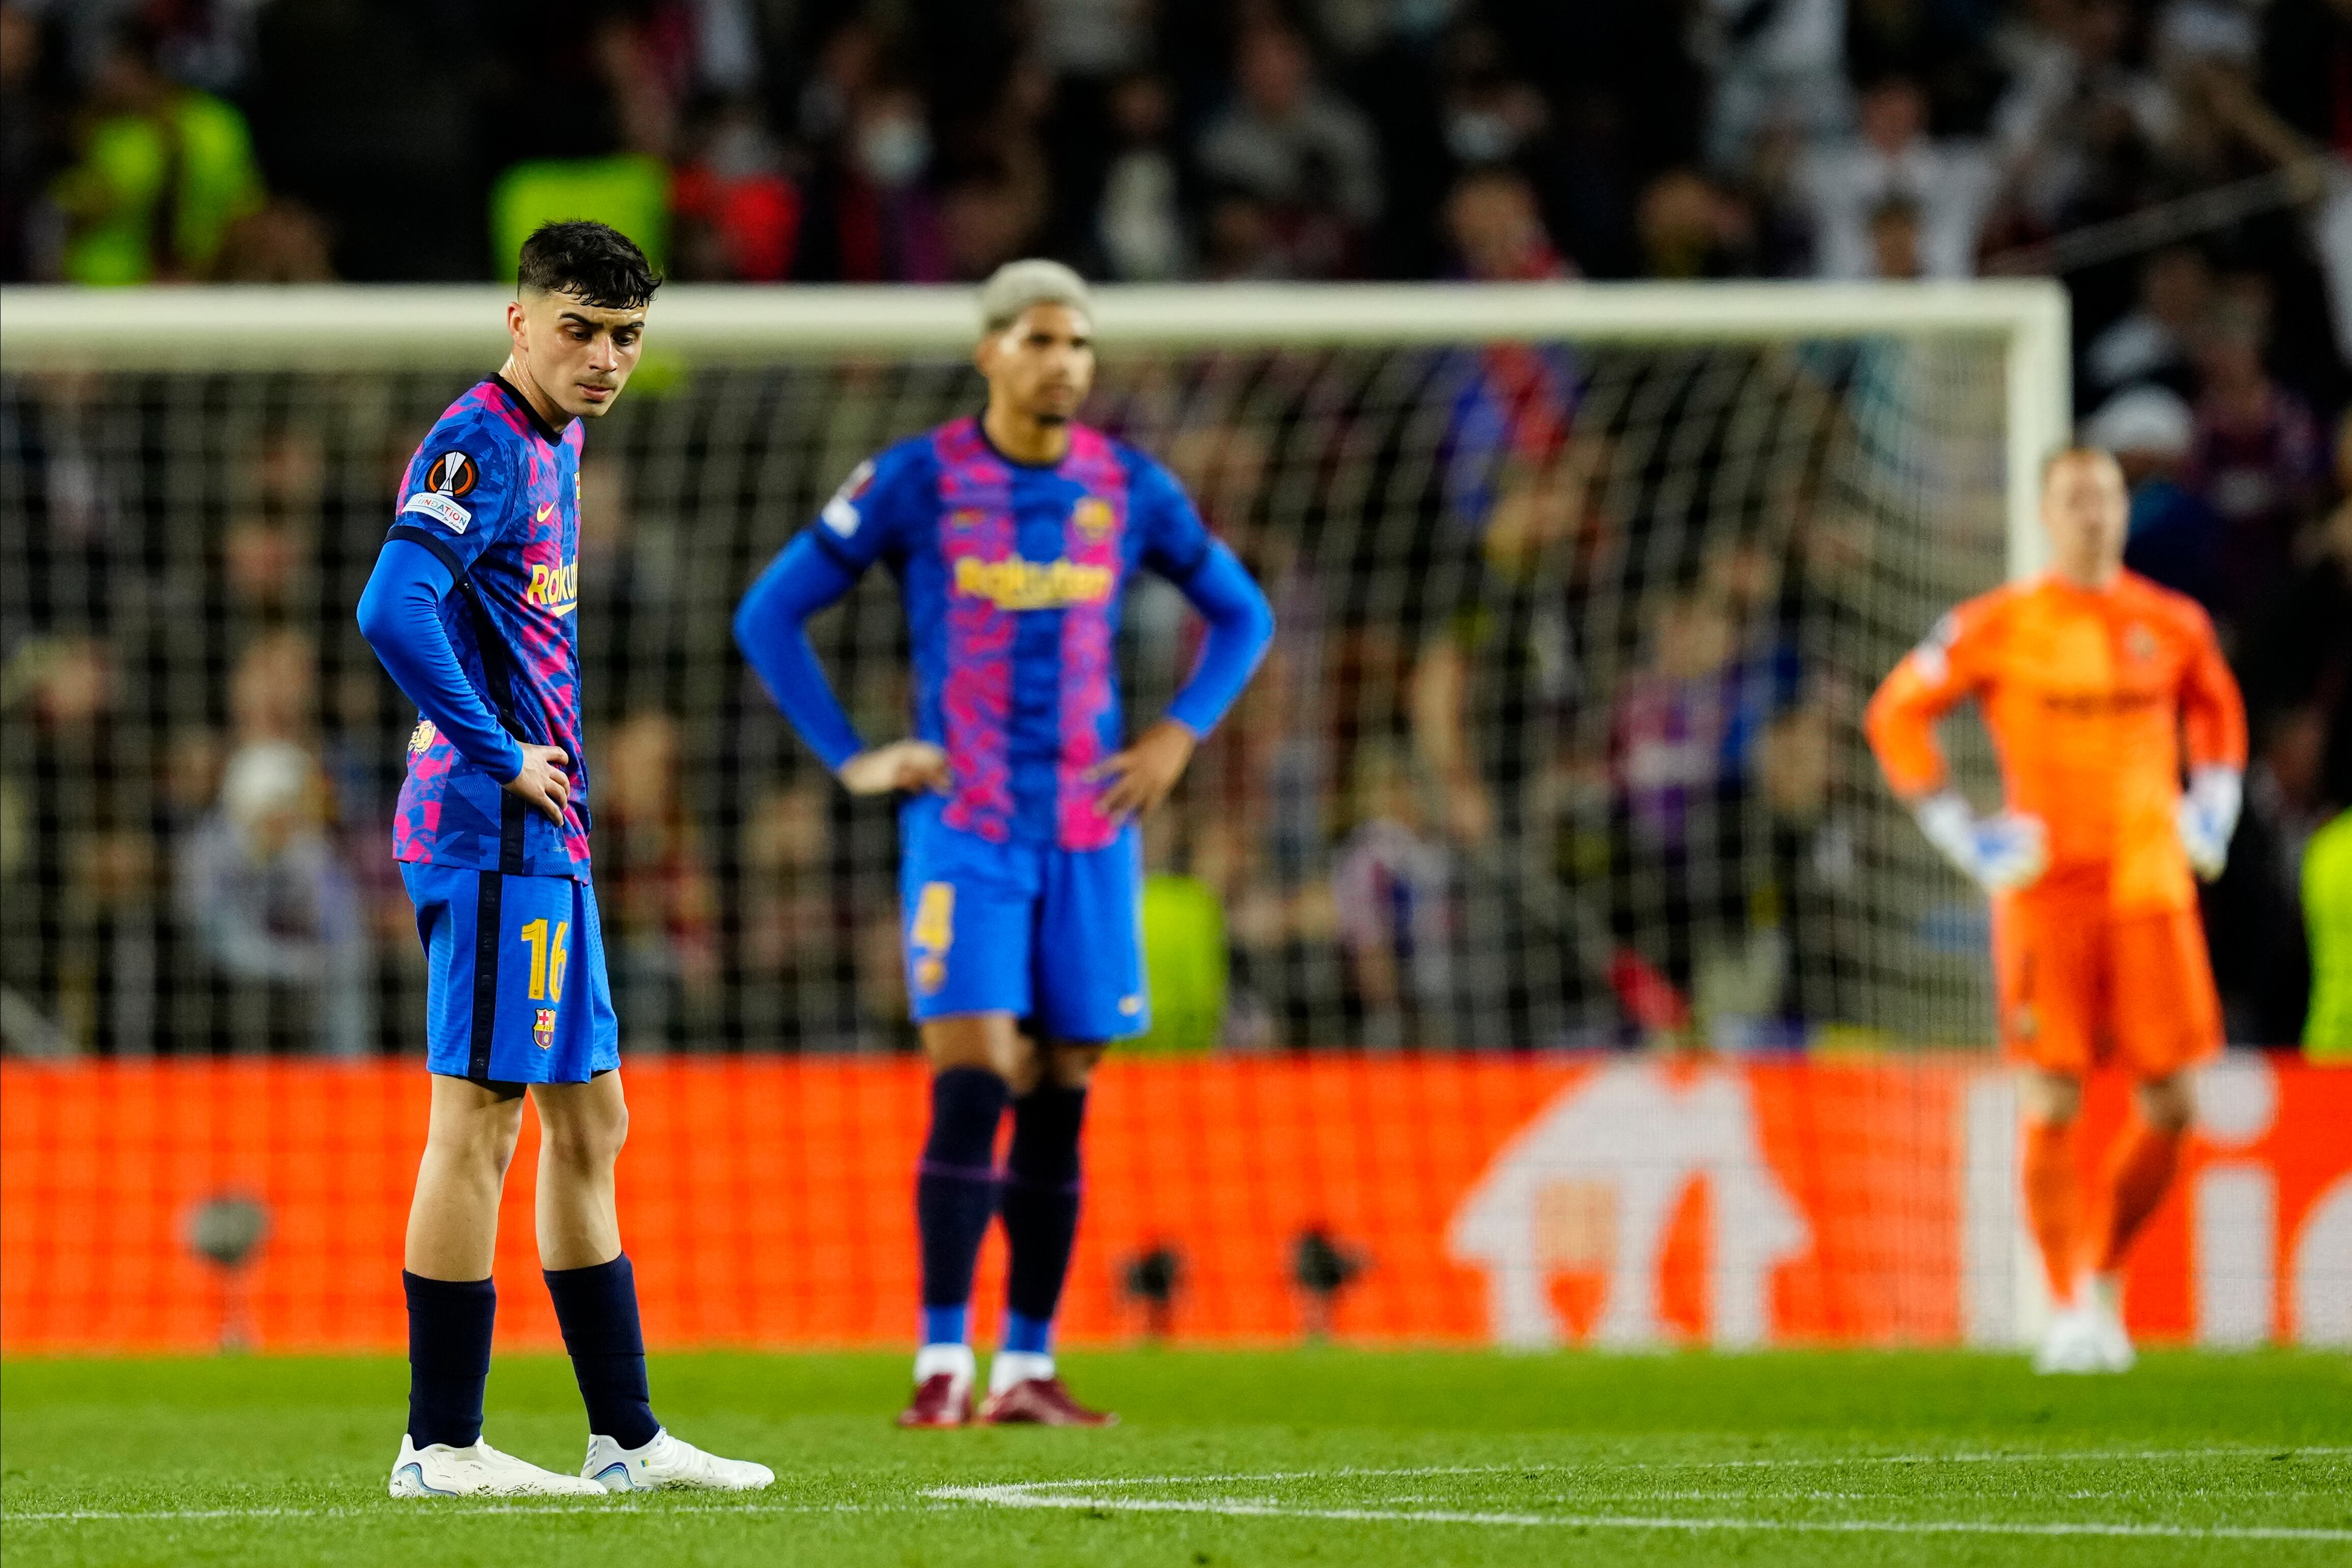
(594, 262)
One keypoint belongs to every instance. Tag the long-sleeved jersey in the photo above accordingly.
(492, 495)
(1011, 575)
(2091, 696)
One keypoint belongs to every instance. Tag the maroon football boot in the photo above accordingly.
(1040, 1402)
(942, 1399)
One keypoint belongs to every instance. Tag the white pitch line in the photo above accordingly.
(468, 1511)
(1028, 1496)
(1782, 1462)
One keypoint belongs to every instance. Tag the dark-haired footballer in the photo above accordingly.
(1014, 535)
(471, 608)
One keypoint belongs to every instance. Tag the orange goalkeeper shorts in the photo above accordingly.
(2081, 985)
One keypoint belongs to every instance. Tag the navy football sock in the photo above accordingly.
(448, 1357)
(598, 1309)
(955, 1186)
(1041, 1207)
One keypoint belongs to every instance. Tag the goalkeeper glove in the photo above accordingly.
(2002, 851)
(2207, 816)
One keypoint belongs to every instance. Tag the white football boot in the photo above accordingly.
(668, 1461)
(2070, 1347)
(2104, 1299)
(437, 1469)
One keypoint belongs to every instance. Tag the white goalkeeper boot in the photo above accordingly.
(668, 1461)
(2105, 1298)
(2070, 1343)
(437, 1469)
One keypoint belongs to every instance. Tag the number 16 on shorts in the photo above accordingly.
(516, 991)
(547, 959)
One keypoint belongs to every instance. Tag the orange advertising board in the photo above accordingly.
(1530, 1200)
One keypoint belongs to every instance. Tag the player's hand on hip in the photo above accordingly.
(545, 782)
(2001, 852)
(1141, 776)
(2208, 817)
(908, 764)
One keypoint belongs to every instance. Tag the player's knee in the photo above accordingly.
(2052, 1099)
(587, 1144)
(481, 1136)
(1073, 1063)
(481, 1149)
(2168, 1104)
(989, 1041)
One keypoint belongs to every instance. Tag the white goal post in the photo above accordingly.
(322, 326)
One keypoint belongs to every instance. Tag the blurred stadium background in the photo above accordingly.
(1536, 952)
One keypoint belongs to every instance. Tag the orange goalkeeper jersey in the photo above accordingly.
(2089, 695)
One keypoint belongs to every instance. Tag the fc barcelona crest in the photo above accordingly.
(543, 1033)
(1094, 516)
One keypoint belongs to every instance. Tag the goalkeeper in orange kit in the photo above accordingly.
(2093, 682)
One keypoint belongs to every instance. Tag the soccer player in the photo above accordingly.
(2091, 679)
(1012, 535)
(470, 608)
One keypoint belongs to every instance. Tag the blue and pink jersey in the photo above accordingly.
(497, 490)
(1013, 575)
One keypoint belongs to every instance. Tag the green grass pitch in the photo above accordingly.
(1324, 1457)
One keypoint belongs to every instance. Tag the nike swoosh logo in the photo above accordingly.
(545, 511)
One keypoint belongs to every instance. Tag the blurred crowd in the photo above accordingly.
(923, 142)
(2175, 162)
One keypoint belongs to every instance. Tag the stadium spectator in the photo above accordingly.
(1392, 885)
(276, 910)
(2080, 130)
(2257, 459)
(273, 690)
(1240, 245)
(272, 540)
(1490, 116)
(789, 924)
(34, 86)
(1684, 735)
(1775, 66)
(164, 170)
(1950, 184)
(1307, 156)
(660, 919)
(873, 216)
(1690, 228)
(1140, 226)
(2175, 538)
(1497, 229)
(1895, 241)
(2157, 340)
(738, 212)
(997, 188)
(1946, 48)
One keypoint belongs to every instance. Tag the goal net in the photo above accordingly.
(1581, 590)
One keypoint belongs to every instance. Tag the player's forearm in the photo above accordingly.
(400, 616)
(771, 628)
(1241, 628)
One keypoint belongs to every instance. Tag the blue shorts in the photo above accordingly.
(1051, 936)
(515, 991)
